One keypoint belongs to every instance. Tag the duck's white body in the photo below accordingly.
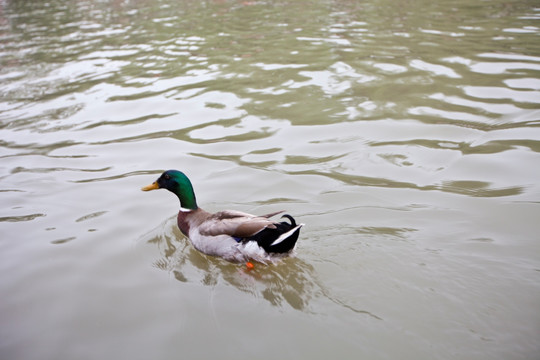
(226, 234)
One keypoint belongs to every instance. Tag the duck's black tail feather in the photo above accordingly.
(282, 239)
(286, 243)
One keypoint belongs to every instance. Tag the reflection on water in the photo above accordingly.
(291, 282)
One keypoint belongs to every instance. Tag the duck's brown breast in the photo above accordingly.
(183, 223)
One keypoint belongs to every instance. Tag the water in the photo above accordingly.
(405, 135)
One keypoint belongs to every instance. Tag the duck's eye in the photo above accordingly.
(167, 177)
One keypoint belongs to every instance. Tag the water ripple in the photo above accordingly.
(404, 134)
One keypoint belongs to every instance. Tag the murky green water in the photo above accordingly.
(405, 135)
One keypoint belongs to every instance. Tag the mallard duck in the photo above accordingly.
(232, 235)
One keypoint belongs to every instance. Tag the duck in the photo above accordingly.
(235, 236)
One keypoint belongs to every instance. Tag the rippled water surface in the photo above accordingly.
(404, 134)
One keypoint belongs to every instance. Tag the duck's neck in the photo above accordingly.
(187, 199)
(186, 195)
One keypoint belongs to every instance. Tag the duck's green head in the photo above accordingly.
(178, 183)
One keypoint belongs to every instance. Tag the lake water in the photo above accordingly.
(405, 135)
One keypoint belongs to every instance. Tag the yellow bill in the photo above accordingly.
(152, 186)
